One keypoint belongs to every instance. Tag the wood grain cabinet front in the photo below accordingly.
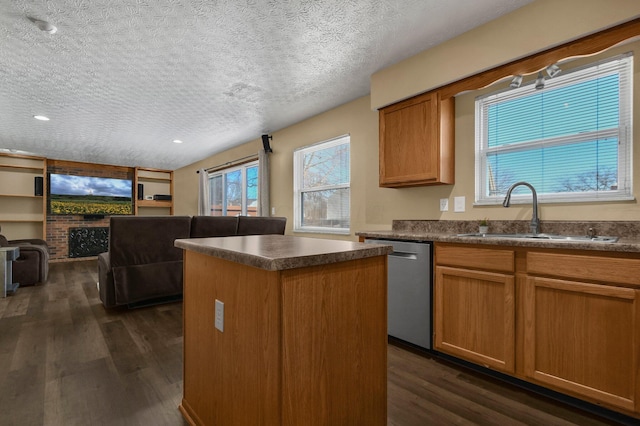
(304, 346)
(582, 325)
(475, 316)
(474, 307)
(583, 338)
(417, 142)
(568, 320)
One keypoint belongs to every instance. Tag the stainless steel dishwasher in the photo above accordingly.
(409, 291)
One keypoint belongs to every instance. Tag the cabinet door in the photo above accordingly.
(583, 338)
(407, 141)
(474, 316)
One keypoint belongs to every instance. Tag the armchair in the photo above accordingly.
(32, 267)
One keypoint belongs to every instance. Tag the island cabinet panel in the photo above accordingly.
(332, 347)
(475, 316)
(583, 338)
(304, 346)
(231, 377)
(417, 142)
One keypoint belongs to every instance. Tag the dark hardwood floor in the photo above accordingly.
(65, 360)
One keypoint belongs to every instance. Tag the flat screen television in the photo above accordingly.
(89, 195)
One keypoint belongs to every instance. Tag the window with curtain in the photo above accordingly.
(234, 191)
(571, 139)
(321, 187)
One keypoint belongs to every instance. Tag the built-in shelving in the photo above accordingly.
(22, 213)
(154, 182)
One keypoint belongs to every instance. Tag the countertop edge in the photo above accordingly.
(278, 263)
(624, 245)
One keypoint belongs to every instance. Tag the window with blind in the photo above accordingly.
(234, 191)
(322, 187)
(571, 139)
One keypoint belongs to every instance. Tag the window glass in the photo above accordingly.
(234, 191)
(322, 187)
(233, 186)
(216, 195)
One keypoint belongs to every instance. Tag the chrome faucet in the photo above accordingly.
(535, 222)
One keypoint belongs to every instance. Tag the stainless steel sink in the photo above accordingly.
(557, 237)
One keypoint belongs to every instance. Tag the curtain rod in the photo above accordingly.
(230, 163)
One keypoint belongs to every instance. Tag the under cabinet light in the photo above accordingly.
(516, 82)
(553, 70)
(540, 81)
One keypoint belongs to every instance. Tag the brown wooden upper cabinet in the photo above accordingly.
(417, 141)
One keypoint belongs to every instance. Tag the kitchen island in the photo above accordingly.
(282, 330)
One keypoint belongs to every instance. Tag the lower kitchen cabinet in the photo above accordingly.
(568, 320)
(475, 316)
(583, 338)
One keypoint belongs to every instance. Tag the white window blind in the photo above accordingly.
(322, 187)
(571, 140)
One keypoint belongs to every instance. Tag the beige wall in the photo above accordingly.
(372, 207)
(530, 29)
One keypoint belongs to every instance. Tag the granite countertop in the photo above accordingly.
(447, 231)
(280, 252)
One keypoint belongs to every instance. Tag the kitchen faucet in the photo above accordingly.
(535, 222)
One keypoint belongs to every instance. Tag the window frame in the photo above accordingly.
(622, 64)
(222, 173)
(298, 191)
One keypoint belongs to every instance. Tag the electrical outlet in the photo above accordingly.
(219, 315)
(444, 204)
(273, 211)
(458, 204)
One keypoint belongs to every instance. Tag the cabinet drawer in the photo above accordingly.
(584, 267)
(476, 258)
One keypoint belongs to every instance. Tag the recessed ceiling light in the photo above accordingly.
(177, 141)
(41, 117)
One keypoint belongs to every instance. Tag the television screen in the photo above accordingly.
(88, 195)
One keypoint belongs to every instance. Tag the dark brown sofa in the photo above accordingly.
(142, 265)
(32, 266)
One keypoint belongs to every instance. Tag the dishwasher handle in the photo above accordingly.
(404, 255)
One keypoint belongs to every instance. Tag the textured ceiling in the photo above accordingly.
(121, 79)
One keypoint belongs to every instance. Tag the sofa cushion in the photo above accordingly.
(146, 240)
(213, 226)
(257, 225)
(145, 282)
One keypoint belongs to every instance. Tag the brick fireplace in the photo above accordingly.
(58, 226)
